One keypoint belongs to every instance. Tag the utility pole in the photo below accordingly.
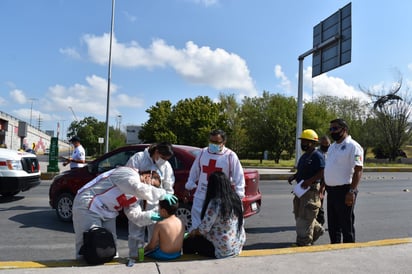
(31, 108)
(39, 122)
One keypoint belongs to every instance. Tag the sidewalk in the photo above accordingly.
(388, 256)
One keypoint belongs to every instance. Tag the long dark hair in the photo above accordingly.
(164, 148)
(219, 187)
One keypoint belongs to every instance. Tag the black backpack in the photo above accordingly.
(98, 246)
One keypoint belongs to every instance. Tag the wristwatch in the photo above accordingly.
(351, 190)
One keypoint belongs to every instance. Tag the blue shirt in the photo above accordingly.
(309, 164)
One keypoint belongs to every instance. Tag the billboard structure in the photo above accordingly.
(332, 42)
(337, 28)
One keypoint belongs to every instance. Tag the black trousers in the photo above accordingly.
(198, 245)
(341, 218)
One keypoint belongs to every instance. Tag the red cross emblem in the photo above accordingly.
(124, 202)
(211, 168)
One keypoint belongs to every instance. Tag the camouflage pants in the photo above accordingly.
(306, 209)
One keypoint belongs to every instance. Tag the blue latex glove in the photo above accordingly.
(172, 199)
(155, 217)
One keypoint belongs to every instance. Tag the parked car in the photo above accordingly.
(65, 185)
(19, 171)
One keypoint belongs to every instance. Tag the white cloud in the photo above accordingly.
(285, 83)
(329, 85)
(206, 3)
(198, 65)
(408, 84)
(18, 96)
(33, 114)
(89, 99)
(71, 52)
(129, 17)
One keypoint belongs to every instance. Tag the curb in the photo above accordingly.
(190, 257)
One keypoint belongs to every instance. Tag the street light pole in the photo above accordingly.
(74, 115)
(109, 75)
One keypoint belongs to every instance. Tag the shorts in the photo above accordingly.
(158, 254)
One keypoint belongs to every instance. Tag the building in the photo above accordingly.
(14, 133)
(132, 135)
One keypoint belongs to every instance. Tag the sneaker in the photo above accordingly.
(298, 245)
(317, 234)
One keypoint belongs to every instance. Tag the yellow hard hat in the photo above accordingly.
(309, 134)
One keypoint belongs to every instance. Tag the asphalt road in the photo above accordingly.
(31, 231)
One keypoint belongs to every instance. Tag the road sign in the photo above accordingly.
(332, 41)
(53, 155)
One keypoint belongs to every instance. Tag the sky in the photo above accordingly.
(55, 54)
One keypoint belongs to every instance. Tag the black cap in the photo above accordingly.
(74, 139)
(342, 123)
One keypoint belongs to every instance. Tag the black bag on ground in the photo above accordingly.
(98, 246)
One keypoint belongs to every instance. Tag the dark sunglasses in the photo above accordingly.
(334, 128)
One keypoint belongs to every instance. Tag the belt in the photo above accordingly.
(341, 187)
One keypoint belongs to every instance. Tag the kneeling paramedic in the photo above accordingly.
(97, 204)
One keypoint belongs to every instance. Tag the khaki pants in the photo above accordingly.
(306, 209)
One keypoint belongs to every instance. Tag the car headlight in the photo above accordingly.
(14, 164)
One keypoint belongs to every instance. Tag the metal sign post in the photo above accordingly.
(332, 40)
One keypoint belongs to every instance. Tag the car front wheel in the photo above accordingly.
(64, 207)
(184, 214)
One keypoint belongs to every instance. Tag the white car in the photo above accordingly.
(19, 171)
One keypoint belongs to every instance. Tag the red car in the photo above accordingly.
(65, 185)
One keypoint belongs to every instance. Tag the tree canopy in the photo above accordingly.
(264, 125)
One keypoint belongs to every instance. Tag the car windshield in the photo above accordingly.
(115, 160)
(176, 163)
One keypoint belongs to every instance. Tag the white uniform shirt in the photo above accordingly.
(206, 162)
(341, 161)
(115, 189)
(78, 154)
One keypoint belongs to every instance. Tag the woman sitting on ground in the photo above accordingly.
(222, 211)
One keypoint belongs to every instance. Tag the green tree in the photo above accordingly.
(352, 110)
(90, 130)
(394, 127)
(158, 128)
(193, 119)
(316, 116)
(230, 111)
(391, 110)
(270, 122)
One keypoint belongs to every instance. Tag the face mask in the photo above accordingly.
(214, 148)
(324, 148)
(160, 162)
(304, 147)
(336, 136)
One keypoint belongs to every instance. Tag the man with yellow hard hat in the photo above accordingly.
(306, 204)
